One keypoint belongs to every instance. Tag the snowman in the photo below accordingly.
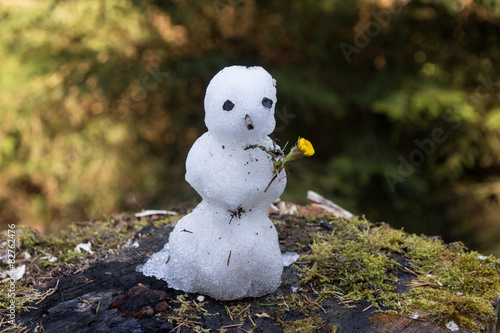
(227, 247)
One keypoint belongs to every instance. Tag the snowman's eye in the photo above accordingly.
(267, 102)
(228, 105)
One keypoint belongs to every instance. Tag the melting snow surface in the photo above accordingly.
(227, 247)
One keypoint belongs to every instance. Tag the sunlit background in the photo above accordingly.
(101, 100)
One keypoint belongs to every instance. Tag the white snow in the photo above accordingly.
(227, 247)
(452, 326)
(17, 273)
(289, 258)
(150, 212)
(49, 258)
(86, 247)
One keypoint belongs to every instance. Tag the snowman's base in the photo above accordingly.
(227, 261)
(110, 296)
(249, 287)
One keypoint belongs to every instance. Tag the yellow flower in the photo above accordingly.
(300, 149)
(305, 146)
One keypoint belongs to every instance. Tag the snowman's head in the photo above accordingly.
(239, 104)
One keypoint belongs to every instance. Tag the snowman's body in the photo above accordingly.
(227, 247)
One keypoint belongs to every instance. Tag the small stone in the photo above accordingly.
(452, 326)
(162, 307)
(145, 312)
(414, 316)
(200, 298)
(325, 225)
(228, 105)
(267, 103)
(139, 301)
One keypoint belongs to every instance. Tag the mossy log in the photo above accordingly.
(352, 276)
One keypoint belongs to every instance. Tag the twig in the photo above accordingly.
(410, 271)
(272, 180)
(350, 300)
(244, 310)
(314, 290)
(176, 327)
(48, 294)
(83, 300)
(229, 326)
(315, 197)
(236, 213)
(229, 313)
(199, 306)
(250, 317)
(367, 308)
(341, 300)
(437, 281)
(228, 258)
(420, 283)
(312, 302)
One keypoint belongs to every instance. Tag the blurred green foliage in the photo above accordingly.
(101, 101)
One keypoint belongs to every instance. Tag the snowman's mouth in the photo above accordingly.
(248, 122)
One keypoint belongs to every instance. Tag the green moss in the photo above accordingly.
(239, 311)
(14, 329)
(307, 325)
(293, 302)
(23, 296)
(357, 258)
(349, 260)
(39, 252)
(464, 286)
(299, 305)
(186, 314)
(105, 237)
(424, 252)
(167, 221)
